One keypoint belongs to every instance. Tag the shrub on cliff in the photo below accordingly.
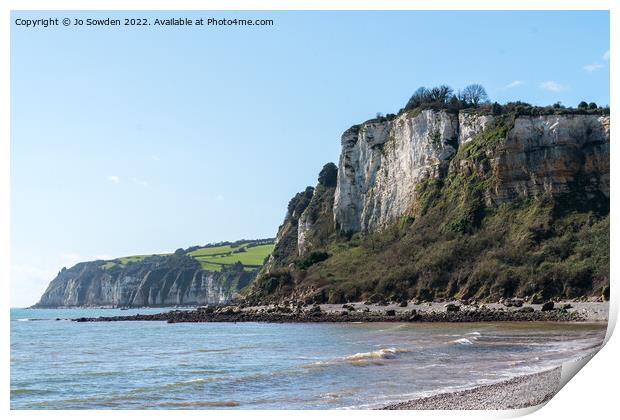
(328, 175)
(311, 259)
(298, 204)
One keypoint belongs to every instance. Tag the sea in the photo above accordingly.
(60, 364)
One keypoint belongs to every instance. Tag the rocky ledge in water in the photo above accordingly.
(359, 312)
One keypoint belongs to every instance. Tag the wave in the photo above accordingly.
(376, 356)
(30, 391)
(319, 363)
(387, 353)
(188, 382)
(191, 404)
(463, 341)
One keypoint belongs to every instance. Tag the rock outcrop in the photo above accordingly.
(487, 203)
(382, 163)
(550, 155)
(169, 280)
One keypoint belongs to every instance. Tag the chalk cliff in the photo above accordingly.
(437, 203)
(157, 280)
(382, 163)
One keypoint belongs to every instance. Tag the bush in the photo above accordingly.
(328, 175)
(299, 203)
(312, 258)
(496, 109)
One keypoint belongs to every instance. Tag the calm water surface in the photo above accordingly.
(155, 365)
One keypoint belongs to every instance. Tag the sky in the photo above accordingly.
(139, 140)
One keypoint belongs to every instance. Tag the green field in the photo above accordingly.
(212, 258)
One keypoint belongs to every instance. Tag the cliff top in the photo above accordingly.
(212, 257)
(474, 100)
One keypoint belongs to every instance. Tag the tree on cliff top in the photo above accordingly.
(475, 94)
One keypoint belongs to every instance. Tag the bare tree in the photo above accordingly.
(419, 97)
(440, 94)
(475, 94)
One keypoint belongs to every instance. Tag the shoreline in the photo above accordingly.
(514, 393)
(360, 312)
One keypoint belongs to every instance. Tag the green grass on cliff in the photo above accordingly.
(213, 258)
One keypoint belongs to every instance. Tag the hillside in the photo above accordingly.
(210, 274)
(434, 203)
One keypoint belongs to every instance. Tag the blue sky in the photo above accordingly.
(142, 140)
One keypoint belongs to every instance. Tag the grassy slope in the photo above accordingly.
(213, 258)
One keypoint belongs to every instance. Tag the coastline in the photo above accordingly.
(360, 312)
(518, 392)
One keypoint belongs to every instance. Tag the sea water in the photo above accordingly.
(60, 364)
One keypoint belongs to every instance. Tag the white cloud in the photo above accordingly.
(606, 56)
(113, 178)
(140, 182)
(514, 84)
(592, 67)
(552, 86)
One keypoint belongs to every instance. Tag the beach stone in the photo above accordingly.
(536, 299)
(548, 306)
(606, 293)
(315, 311)
(517, 302)
(390, 312)
(452, 307)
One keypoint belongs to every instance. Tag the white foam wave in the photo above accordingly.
(463, 341)
(387, 353)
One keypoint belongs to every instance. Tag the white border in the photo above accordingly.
(592, 394)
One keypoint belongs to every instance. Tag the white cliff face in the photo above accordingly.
(382, 163)
(303, 227)
(549, 154)
(471, 124)
(85, 285)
